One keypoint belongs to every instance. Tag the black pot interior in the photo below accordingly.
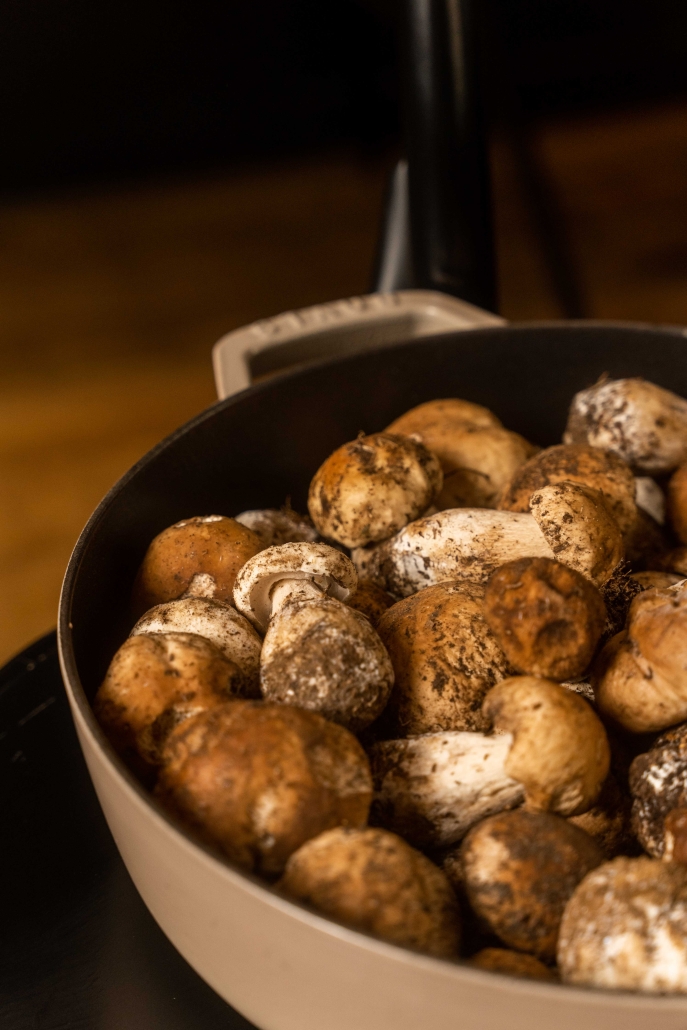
(262, 447)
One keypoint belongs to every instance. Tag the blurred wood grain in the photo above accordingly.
(110, 302)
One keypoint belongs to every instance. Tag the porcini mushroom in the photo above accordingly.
(549, 750)
(546, 617)
(370, 488)
(640, 677)
(218, 622)
(445, 659)
(520, 869)
(154, 682)
(625, 928)
(259, 780)
(373, 881)
(642, 423)
(318, 653)
(658, 783)
(197, 557)
(478, 456)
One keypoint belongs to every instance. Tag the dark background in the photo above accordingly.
(104, 90)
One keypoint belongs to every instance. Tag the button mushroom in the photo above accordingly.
(370, 488)
(318, 653)
(519, 869)
(677, 503)
(546, 617)
(640, 677)
(512, 963)
(478, 456)
(218, 622)
(658, 783)
(445, 659)
(608, 820)
(625, 928)
(198, 557)
(373, 881)
(576, 463)
(370, 599)
(154, 682)
(650, 579)
(258, 780)
(642, 423)
(278, 526)
(549, 749)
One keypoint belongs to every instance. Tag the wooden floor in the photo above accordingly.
(110, 302)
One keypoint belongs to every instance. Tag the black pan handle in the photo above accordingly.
(448, 171)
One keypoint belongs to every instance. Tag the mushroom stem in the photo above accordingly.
(286, 591)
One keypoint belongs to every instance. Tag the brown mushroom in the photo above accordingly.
(197, 557)
(445, 659)
(370, 599)
(370, 488)
(658, 782)
(373, 881)
(512, 963)
(154, 682)
(650, 579)
(608, 820)
(575, 463)
(547, 618)
(258, 780)
(519, 871)
(677, 503)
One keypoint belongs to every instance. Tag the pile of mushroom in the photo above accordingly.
(449, 707)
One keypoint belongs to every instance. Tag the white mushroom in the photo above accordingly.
(276, 526)
(218, 622)
(637, 420)
(318, 653)
(650, 498)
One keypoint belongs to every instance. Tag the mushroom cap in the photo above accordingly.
(258, 780)
(431, 789)
(445, 659)
(642, 423)
(326, 657)
(512, 963)
(579, 528)
(625, 928)
(154, 682)
(478, 456)
(373, 881)
(608, 820)
(560, 751)
(218, 622)
(276, 526)
(575, 463)
(677, 503)
(327, 568)
(651, 579)
(640, 677)
(676, 561)
(199, 556)
(435, 422)
(519, 870)
(370, 600)
(460, 543)
(658, 782)
(546, 617)
(371, 487)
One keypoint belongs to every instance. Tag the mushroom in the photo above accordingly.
(478, 456)
(373, 881)
(568, 522)
(318, 653)
(658, 783)
(608, 820)
(197, 557)
(276, 526)
(650, 498)
(625, 928)
(257, 780)
(546, 617)
(549, 750)
(370, 599)
(512, 963)
(519, 869)
(677, 503)
(640, 677)
(154, 682)
(218, 622)
(652, 579)
(676, 561)
(445, 659)
(370, 488)
(575, 463)
(640, 422)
